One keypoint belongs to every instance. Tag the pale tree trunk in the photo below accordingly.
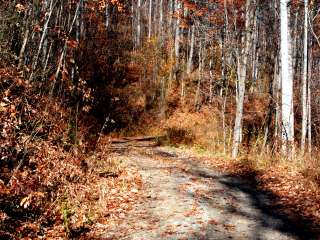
(156, 16)
(107, 15)
(58, 18)
(63, 53)
(45, 42)
(309, 120)
(242, 74)
(177, 33)
(43, 37)
(78, 22)
(224, 88)
(211, 82)
(77, 25)
(304, 79)
(309, 126)
(82, 22)
(190, 59)
(197, 96)
(287, 81)
(255, 50)
(224, 122)
(277, 90)
(150, 19)
(138, 40)
(182, 91)
(170, 13)
(133, 24)
(176, 6)
(23, 48)
(160, 22)
(224, 50)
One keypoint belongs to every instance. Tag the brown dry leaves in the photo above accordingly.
(295, 192)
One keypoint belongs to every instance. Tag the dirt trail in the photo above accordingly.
(182, 200)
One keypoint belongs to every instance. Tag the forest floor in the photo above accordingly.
(182, 198)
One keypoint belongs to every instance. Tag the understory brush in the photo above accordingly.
(51, 184)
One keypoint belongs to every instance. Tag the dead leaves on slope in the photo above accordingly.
(295, 193)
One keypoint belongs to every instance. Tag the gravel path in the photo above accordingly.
(182, 200)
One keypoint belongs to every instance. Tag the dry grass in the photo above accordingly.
(202, 133)
(201, 129)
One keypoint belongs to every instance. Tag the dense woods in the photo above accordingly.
(238, 78)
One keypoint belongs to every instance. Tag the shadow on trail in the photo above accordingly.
(248, 203)
(269, 216)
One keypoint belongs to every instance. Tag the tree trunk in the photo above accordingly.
(287, 81)
(197, 96)
(160, 28)
(242, 74)
(309, 126)
(190, 59)
(150, 19)
(43, 37)
(23, 48)
(304, 79)
(177, 34)
(107, 15)
(138, 40)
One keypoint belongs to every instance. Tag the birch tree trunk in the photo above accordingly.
(63, 53)
(160, 22)
(43, 37)
(190, 59)
(138, 24)
(23, 48)
(255, 50)
(177, 32)
(197, 96)
(309, 120)
(287, 81)
(107, 15)
(150, 19)
(211, 82)
(309, 126)
(224, 87)
(277, 86)
(242, 74)
(277, 90)
(304, 79)
(45, 42)
(170, 13)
